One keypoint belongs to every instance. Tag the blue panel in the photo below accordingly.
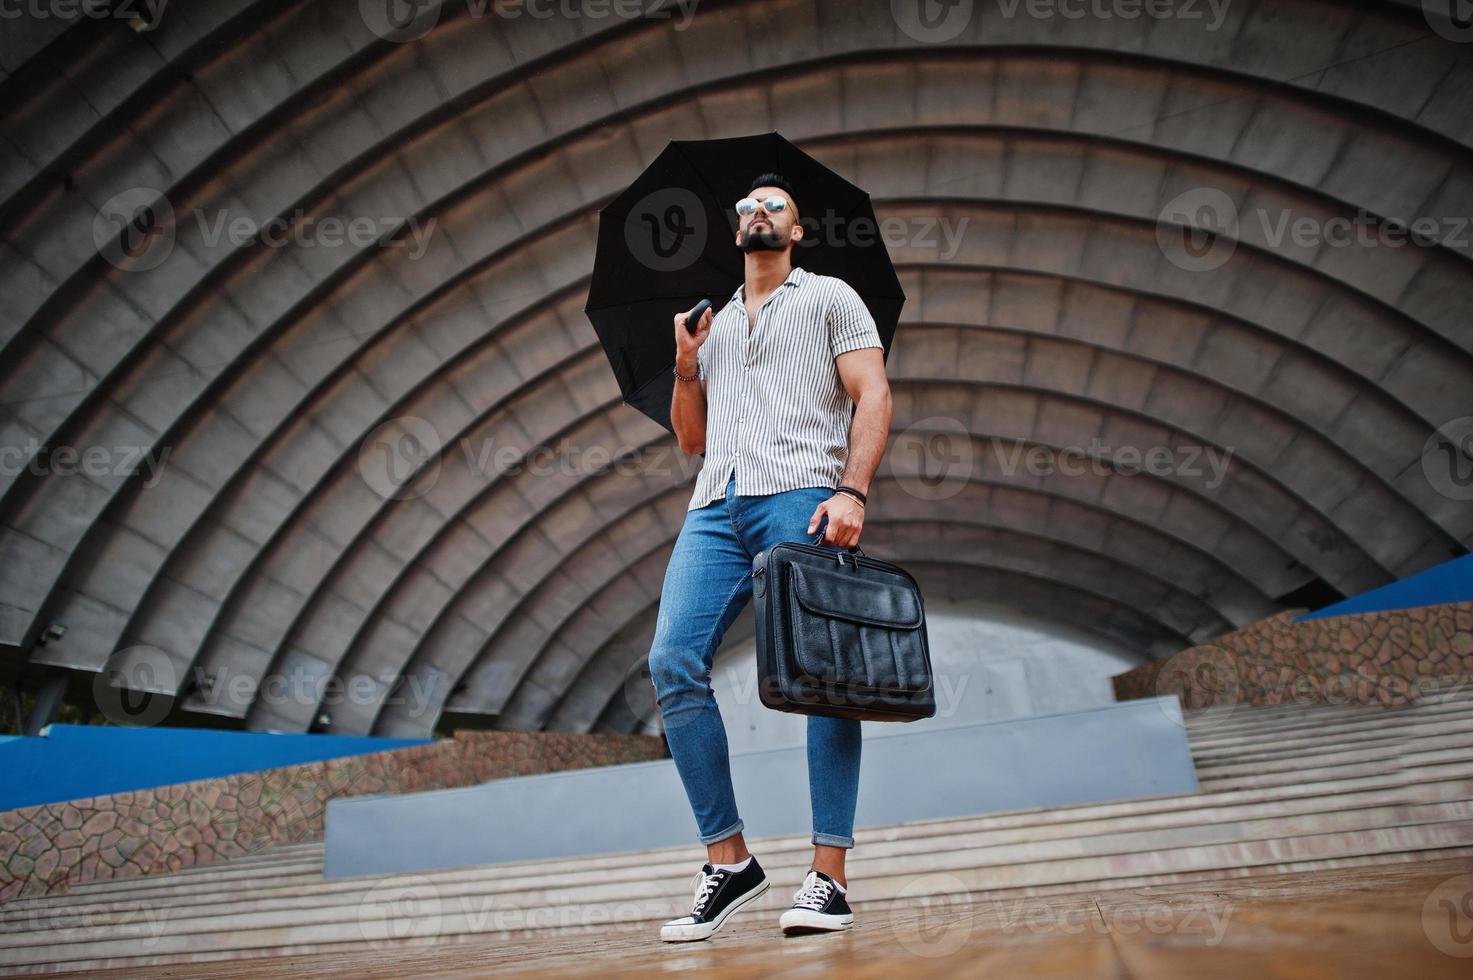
(1452, 581)
(1119, 751)
(70, 762)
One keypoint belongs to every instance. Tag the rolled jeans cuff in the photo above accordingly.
(833, 840)
(731, 831)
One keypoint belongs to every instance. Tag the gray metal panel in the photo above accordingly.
(1118, 751)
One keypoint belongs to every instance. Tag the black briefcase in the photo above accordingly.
(841, 634)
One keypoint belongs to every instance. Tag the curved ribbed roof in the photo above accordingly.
(1041, 166)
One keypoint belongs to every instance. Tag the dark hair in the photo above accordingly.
(775, 180)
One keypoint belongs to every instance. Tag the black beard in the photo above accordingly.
(763, 241)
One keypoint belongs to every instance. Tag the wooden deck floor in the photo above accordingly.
(1410, 920)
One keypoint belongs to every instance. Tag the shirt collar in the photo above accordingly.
(793, 279)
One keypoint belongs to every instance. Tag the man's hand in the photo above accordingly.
(687, 344)
(846, 520)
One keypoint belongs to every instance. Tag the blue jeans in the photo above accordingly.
(707, 583)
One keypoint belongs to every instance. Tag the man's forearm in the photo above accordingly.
(868, 433)
(688, 409)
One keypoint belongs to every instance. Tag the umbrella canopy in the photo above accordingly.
(667, 242)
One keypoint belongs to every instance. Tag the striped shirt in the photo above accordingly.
(776, 412)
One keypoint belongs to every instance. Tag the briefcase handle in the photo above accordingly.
(855, 550)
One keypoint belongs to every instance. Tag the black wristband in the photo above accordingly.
(845, 488)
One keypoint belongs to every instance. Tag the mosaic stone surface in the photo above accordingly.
(1388, 658)
(47, 849)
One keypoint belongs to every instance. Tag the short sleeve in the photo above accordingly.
(850, 324)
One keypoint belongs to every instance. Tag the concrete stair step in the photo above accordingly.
(1163, 813)
(1444, 741)
(1334, 743)
(1381, 721)
(1310, 734)
(650, 900)
(1366, 807)
(1375, 781)
(1344, 770)
(1341, 746)
(383, 941)
(1244, 718)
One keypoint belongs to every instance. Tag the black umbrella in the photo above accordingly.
(666, 243)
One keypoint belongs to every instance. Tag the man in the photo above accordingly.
(765, 389)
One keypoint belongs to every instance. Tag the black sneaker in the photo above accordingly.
(818, 906)
(718, 893)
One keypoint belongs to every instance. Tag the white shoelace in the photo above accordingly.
(704, 886)
(814, 894)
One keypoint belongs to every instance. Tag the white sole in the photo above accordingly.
(805, 920)
(705, 930)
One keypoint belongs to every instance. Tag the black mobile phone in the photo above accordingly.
(697, 311)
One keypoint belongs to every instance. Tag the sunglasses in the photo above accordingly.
(772, 205)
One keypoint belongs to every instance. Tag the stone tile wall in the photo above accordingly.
(1387, 658)
(47, 849)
